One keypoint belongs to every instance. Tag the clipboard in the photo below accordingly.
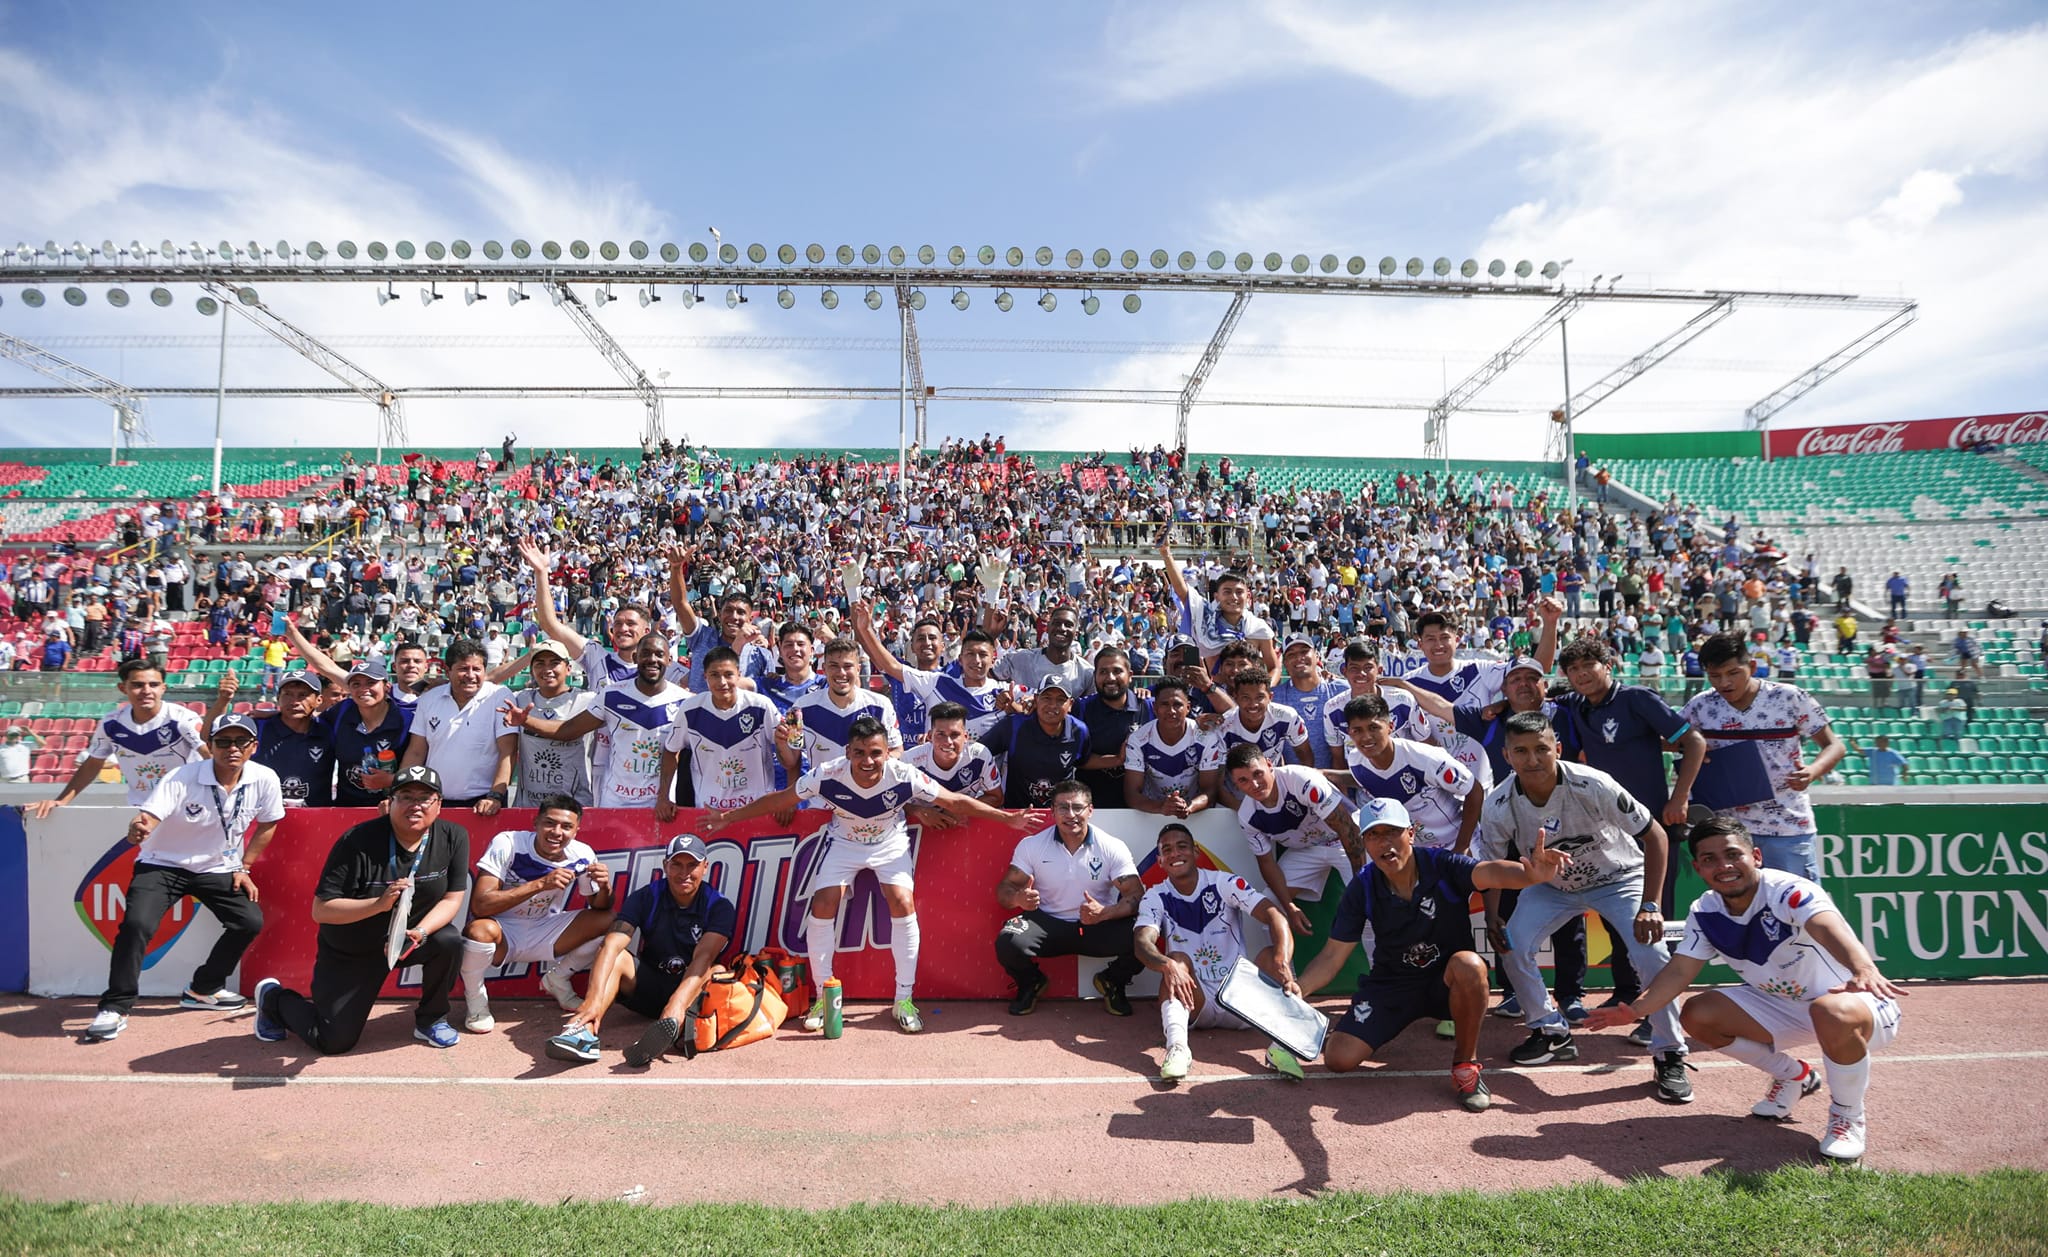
(394, 942)
(1733, 776)
(1260, 1003)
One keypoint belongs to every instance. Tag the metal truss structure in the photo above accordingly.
(913, 362)
(390, 410)
(629, 371)
(131, 418)
(1214, 351)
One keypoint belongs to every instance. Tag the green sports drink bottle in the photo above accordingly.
(835, 1009)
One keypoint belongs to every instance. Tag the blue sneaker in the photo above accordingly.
(1509, 1007)
(269, 1026)
(578, 1046)
(440, 1034)
(1575, 1012)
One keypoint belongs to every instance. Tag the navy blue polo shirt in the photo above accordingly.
(356, 750)
(669, 931)
(1414, 938)
(1493, 734)
(1035, 762)
(302, 761)
(1108, 729)
(1624, 736)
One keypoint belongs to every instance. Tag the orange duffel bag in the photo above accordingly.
(741, 1003)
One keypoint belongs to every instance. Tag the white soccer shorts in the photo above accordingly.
(531, 940)
(1790, 1021)
(1308, 869)
(841, 860)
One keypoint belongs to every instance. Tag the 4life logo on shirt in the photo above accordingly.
(102, 900)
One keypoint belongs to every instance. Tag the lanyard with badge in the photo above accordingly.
(228, 809)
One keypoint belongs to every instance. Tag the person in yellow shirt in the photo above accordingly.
(275, 652)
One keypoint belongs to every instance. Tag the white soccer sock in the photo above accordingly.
(818, 943)
(1780, 1065)
(904, 937)
(1173, 1019)
(476, 957)
(578, 959)
(1847, 1083)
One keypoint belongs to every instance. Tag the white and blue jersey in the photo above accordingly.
(755, 661)
(871, 816)
(1470, 682)
(731, 749)
(1429, 782)
(1297, 818)
(913, 717)
(1207, 926)
(146, 752)
(1164, 767)
(934, 688)
(634, 726)
(1768, 946)
(1408, 719)
(1314, 706)
(512, 860)
(1201, 619)
(974, 774)
(828, 725)
(1281, 728)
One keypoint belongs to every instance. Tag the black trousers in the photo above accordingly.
(1030, 937)
(151, 892)
(345, 988)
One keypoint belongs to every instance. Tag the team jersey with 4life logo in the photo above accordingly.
(933, 688)
(146, 752)
(512, 860)
(1281, 729)
(731, 749)
(1408, 721)
(827, 725)
(1204, 926)
(550, 767)
(1298, 818)
(869, 815)
(1426, 780)
(634, 726)
(1768, 946)
(1588, 817)
(974, 774)
(1163, 766)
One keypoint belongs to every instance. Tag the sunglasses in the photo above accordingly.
(233, 744)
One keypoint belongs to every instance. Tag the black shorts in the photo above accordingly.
(652, 988)
(1383, 1009)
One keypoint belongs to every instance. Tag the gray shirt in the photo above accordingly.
(550, 767)
(1588, 817)
(1028, 667)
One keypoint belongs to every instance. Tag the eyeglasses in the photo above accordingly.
(233, 744)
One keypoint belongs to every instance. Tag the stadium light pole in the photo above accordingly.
(902, 397)
(220, 395)
(1571, 479)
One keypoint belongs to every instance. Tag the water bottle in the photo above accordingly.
(835, 1009)
(789, 972)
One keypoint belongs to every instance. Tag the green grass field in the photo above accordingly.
(1791, 1211)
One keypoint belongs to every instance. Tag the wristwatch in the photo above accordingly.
(1649, 905)
(500, 793)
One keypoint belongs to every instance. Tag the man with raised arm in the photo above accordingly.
(1221, 618)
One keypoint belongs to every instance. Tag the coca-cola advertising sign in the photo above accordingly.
(2022, 428)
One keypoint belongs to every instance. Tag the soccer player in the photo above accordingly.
(634, 715)
(459, 731)
(1111, 714)
(1028, 667)
(734, 630)
(365, 734)
(927, 654)
(148, 739)
(1436, 790)
(1312, 693)
(1471, 682)
(729, 734)
(1416, 899)
(1805, 979)
(549, 765)
(682, 925)
(867, 791)
(829, 712)
(630, 623)
(1060, 885)
(1258, 720)
(1221, 618)
(1297, 826)
(985, 698)
(519, 908)
(1617, 849)
(1190, 933)
(1363, 677)
(954, 760)
(1163, 759)
(199, 831)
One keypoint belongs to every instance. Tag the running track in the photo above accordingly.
(982, 1109)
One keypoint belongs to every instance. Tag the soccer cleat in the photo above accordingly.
(1176, 1065)
(1283, 1060)
(1673, 1087)
(1845, 1138)
(1027, 996)
(1575, 1012)
(269, 1026)
(1785, 1093)
(578, 1046)
(1446, 1029)
(557, 982)
(1510, 1006)
(478, 1020)
(440, 1034)
(221, 1001)
(907, 1018)
(1544, 1046)
(106, 1024)
(1472, 1092)
(653, 1041)
(1114, 1001)
(815, 1019)
(1642, 1035)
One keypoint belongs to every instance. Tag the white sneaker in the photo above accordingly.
(106, 1024)
(1776, 1106)
(1176, 1065)
(1845, 1138)
(556, 983)
(479, 1020)
(815, 1019)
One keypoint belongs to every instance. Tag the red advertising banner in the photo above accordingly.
(2022, 428)
(760, 866)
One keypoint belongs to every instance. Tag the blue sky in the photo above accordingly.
(1852, 148)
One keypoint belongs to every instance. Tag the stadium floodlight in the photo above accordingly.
(1496, 268)
(460, 249)
(871, 253)
(377, 251)
(436, 250)
(986, 255)
(734, 298)
(609, 250)
(247, 296)
(1551, 270)
(785, 298)
(165, 248)
(691, 296)
(516, 293)
(550, 250)
(1414, 267)
(956, 255)
(1244, 262)
(1468, 268)
(916, 299)
(757, 253)
(648, 296)
(255, 250)
(896, 255)
(386, 294)
(493, 250)
(579, 249)
(32, 297)
(1014, 257)
(1612, 280)
(284, 250)
(430, 294)
(786, 254)
(1004, 301)
(1328, 263)
(1100, 258)
(601, 296)
(845, 254)
(474, 293)
(1128, 259)
(227, 251)
(555, 294)
(1159, 259)
(117, 297)
(404, 250)
(814, 253)
(728, 253)
(1299, 264)
(1133, 303)
(698, 252)
(925, 254)
(316, 250)
(205, 305)
(1074, 259)
(1441, 267)
(873, 300)
(829, 298)
(160, 297)
(1048, 302)
(1274, 261)
(74, 296)
(1043, 256)
(960, 299)
(669, 253)
(1186, 260)
(521, 250)
(1523, 269)
(1090, 304)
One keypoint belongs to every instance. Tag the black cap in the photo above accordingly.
(417, 775)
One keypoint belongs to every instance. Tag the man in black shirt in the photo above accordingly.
(1110, 713)
(368, 873)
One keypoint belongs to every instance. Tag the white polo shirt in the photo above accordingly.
(200, 826)
(1063, 877)
(462, 742)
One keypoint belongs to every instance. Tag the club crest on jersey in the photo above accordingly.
(1427, 907)
(1212, 903)
(1361, 1010)
(1610, 729)
(433, 722)
(316, 753)
(193, 811)
(1773, 928)
(1410, 783)
(167, 735)
(746, 722)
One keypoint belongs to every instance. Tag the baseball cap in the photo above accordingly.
(686, 844)
(300, 676)
(1054, 681)
(374, 669)
(1523, 661)
(232, 721)
(549, 646)
(417, 775)
(1378, 812)
(1298, 639)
